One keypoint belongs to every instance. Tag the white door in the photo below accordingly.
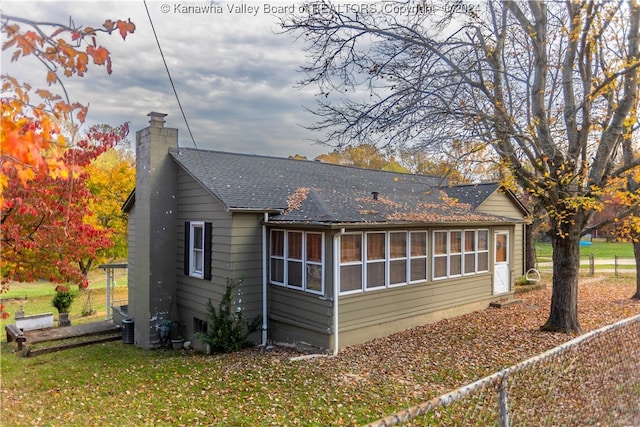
(501, 262)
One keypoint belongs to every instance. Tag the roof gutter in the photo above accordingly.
(255, 210)
(406, 225)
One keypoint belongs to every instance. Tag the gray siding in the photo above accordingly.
(373, 314)
(196, 204)
(296, 316)
(236, 253)
(246, 260)
(131, 259)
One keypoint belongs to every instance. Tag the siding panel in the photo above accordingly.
(392, 304)
(196, 204)
(501, 204)
(379, 313)
(131, 258)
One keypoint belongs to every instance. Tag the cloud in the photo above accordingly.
(234, 74)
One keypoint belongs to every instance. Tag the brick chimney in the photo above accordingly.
(152, 259)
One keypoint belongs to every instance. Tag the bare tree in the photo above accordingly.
(547, 86)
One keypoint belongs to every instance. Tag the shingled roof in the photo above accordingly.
(316, 192)
(475, 194)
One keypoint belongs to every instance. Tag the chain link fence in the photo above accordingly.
(592, 380)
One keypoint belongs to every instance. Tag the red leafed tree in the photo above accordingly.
(45, 227)
(44, 197)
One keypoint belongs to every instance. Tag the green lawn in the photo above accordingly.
(120, 384)
(35, 298)
(600, 250)
(129, 386)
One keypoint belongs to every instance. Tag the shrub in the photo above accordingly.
(62, 299)
(227, 329)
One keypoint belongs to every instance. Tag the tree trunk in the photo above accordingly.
(563, 316)
(530, 250)
(636, 255)
(84, 267)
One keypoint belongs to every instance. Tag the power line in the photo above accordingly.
(173, 86)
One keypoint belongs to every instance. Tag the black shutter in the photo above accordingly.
(187, 237)
(207, 250)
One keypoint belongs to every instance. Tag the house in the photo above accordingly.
(332, 255)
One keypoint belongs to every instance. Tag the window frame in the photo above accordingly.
(438, 245)
(375, 261)
(482, 251)
(309, 262)
(435, 254)
(281, 258)
(301, 256)
(476, 252)
(196, 254)
(192, 254)
(457, 254)
(424, 257)
(352, 262)
(366, 259)
(391, 258)
(473, 252)
(294, 256)
(200, 326)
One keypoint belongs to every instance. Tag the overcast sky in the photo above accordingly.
(234, 74)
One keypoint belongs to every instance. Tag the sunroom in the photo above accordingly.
(342, 284)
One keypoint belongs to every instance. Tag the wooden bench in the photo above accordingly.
(15, 334)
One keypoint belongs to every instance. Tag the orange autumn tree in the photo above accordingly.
(111, 178)
(45, 231)
(36, 156)
(31, 141)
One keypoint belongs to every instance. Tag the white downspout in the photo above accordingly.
(336, 289)
(264, 279)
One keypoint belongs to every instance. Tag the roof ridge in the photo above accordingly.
(317, 200)
(477, 184)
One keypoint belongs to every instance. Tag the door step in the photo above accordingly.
(505, 303)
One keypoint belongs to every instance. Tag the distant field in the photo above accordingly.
(35, 298)
(599, 249)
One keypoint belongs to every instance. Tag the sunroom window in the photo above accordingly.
(418, 264)
(460, 252)
(389, 258)
(398, 258)
(376, 260)
(294, 259)
(313, 260)
(350, 262)
(297, 261)
(440, 254)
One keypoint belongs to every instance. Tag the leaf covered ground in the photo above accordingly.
(114, 383)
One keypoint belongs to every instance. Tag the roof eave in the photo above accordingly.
(130, 202)
(397, 224)
(255, 210)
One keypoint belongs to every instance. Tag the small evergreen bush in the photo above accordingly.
(227, 329)
(62, 299)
